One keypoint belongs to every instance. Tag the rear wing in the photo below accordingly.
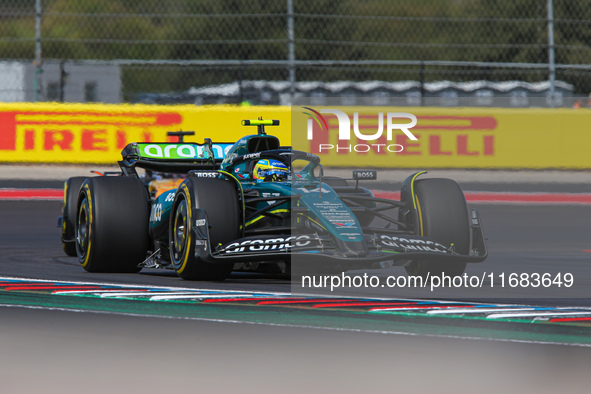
(179, 157)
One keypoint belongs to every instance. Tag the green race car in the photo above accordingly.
(257, 202)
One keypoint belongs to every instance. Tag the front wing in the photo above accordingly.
(386, 245)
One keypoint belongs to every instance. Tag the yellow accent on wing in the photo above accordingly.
(420, 214)
(412, 186)
(263, 216)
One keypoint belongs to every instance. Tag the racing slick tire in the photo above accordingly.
(69, 210)
(112, 224)
(219, 200)
(443, 216)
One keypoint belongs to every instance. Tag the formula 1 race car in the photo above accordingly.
(256, 201)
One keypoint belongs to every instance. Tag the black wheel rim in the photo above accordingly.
(83, 229)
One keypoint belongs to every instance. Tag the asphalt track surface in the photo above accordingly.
(47, 346)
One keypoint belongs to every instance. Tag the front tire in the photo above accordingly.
(443, 217)
(112, 224)
(219, 200)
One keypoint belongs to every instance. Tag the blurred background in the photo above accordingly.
(514, 53)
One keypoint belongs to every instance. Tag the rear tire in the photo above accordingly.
(445, 219)
(112, 224)
(218, 198)
(69, 211)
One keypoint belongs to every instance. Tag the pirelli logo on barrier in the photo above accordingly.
(78, 136)
(446, 136)
(470, 136)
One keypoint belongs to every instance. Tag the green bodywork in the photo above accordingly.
(323, 205)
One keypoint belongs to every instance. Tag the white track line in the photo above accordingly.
(202, 296)
(534, 314)
(408, 308)
(477, 310)
(68, 292)
(154, 293)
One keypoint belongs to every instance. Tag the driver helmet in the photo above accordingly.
(269, 170)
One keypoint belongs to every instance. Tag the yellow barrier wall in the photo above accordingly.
(448, 137)
(463, 138)
(96, 133)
